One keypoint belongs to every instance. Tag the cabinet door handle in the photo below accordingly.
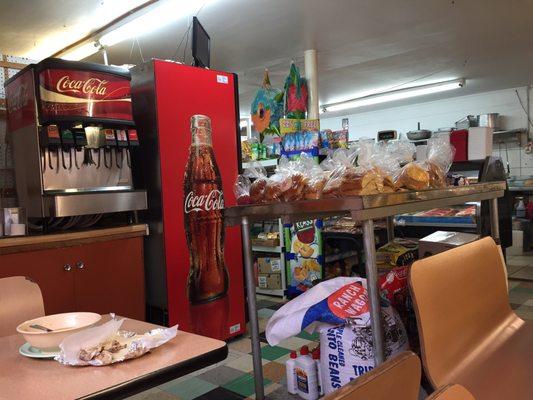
(67, 267)
(80, 265)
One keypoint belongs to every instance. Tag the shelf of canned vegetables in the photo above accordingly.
(367, 184)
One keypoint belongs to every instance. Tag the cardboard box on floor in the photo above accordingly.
(270, 281)
(441, 241)
(269, 265)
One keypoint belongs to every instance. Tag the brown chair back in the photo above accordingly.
(397, 378)
(451, 392)
(460, 298)
(20, 300)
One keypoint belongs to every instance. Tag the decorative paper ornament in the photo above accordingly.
(295, 94)
(267, 107)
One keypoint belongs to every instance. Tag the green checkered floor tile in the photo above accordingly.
(273, 352)
(244, 385)
(190, 388)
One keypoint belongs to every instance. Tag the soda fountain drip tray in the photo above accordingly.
(71, 204)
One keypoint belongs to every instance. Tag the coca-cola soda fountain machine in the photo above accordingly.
(73, 134)
(188, 121)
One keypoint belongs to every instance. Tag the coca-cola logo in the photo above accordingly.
(204, 202)
(87, 86)
(18, 99)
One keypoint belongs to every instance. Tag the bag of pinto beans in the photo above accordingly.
(338, 309)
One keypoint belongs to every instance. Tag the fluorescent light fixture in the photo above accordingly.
(102, 14)
(157, 17)
(81, 52)
(393, 95)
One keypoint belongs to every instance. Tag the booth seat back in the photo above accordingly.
(397, 378)
(460, 299)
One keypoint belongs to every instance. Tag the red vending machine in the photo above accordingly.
(190, 149)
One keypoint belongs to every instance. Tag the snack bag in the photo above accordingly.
(385, 163)
(414, 176)
(315, 177)
(440, 158)
(338, 309)
(258, 174)
(296, 176)
(241, 189)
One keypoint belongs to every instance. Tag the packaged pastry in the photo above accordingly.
(258, 177)
(413, 176)
(440, 158)
(241, 189)
(315, 178)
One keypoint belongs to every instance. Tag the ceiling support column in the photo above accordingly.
(311, 75)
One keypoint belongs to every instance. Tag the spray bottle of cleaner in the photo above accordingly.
(316, 358)
(306, 375)
(292, 387)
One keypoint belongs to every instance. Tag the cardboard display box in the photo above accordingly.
(269, 265)
(272, 242)
(269, 281)
(441, 241)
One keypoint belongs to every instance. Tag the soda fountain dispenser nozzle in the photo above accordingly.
(109, 142)
(133, 141)
(80, 142)
(122, 143)
(67, 143)
(50, 141)
(92, 134)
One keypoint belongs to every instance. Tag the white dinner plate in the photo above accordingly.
(29, 351)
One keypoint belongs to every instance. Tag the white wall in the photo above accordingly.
(443, 113)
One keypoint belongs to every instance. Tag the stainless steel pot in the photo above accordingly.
(491, 120)
(419, 134)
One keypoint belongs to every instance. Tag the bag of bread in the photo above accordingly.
(346, 179)
(336, 165)
(257, 174)
(439, 161)
(296, 179)
(385, 163)
(315, 177)
(241, 189)
(414, 176)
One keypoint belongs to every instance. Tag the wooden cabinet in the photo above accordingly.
(49, 269)
(103, 277)
(110, 278)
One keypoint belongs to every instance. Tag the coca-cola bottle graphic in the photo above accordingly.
(203, 217)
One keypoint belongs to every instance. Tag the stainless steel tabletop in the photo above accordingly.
(367, 207)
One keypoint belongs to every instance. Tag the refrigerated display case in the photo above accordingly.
(194, 268)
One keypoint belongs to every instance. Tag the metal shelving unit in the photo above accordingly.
(273, 162)
(266, 249)
(279, 250)
(364, 209)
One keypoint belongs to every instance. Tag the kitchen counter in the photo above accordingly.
(19, 244)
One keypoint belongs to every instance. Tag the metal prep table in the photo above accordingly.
(361, 208)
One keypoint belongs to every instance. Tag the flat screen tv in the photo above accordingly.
(200, 45)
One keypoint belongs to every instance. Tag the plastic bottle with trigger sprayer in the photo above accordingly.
(292, 387)
(306, 375)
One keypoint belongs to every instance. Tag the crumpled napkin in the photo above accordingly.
(136, 346)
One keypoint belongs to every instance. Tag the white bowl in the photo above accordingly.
(62, 326)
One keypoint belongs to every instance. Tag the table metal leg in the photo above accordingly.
(390, 229)
(252, 310)
(494, 220)
(373, 290)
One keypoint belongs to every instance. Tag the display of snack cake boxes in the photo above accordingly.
(304, 260)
